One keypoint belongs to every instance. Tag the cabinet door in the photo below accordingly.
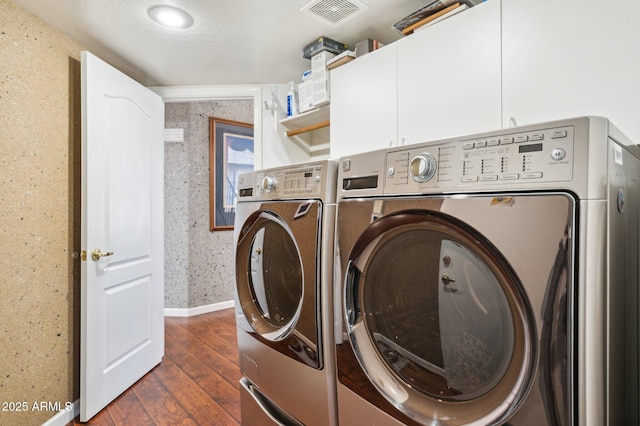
(449, 76)
(363, 103)
(570, 58)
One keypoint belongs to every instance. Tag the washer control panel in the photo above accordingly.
(525, 156)
(295, 181)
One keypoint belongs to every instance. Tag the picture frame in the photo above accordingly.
(231, 149)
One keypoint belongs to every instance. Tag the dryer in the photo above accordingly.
(284, 237)
(490, 279)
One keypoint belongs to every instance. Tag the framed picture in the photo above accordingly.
(230, 154)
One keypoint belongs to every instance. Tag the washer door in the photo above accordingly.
(438, 319)
(276, 257)
(271, 294)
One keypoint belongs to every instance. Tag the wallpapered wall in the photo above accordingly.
(199, 268)
(39, 217)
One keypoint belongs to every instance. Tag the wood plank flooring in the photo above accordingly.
(195, 384)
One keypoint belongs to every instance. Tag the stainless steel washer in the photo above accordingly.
(284, 235)
(491, 279)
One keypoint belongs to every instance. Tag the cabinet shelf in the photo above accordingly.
(307, 121)
(301, 129)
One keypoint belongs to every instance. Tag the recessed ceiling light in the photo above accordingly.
(170, 16)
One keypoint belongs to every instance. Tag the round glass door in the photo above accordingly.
(269, 275)
(438, 320)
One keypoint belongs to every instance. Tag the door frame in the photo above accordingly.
(177, 94)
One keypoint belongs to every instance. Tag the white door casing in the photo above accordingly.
(122, 301)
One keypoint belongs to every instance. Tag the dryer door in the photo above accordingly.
(276, 285)
(438, 320)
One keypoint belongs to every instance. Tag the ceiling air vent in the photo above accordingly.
(334, 12)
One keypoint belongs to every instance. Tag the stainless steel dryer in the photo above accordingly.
(284, 236)
(490, 279)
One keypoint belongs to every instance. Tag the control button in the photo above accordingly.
(346, 165)
(536, 136)
(422, 167)
(317, 178)
(467, 145)
(506, 141)
(558, 154)
(268, 183)
(391, 171)
(469, 178)
(493, 142)
(521, 138)
(480, 144)
(509, 176)
(531, 175)
(556, 134)
(488, 178)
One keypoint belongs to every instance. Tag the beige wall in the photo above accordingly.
(39, 216)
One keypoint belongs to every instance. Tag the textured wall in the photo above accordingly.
(39, 216)
(199, 263)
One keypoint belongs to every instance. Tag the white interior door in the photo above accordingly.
(122, 318)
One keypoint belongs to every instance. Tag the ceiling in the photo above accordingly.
(231, 41)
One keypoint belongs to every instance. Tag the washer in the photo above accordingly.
(490, 279)
(284, 238)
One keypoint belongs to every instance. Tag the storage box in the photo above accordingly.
(319, 62)
(366, 46)
(305, 95)
(323, 44)
(320, 77)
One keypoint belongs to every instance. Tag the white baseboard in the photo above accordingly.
(65, 416)
(189, 312)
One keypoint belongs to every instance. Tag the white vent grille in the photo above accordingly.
(334, 12)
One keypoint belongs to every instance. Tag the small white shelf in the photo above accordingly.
(306, 128)
(307, 121)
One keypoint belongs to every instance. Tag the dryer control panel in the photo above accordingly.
(544, 155)
(302, 181)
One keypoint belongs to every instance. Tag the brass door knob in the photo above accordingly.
(96, 254)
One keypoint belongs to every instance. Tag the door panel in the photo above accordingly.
(122, 318)
(127, 333)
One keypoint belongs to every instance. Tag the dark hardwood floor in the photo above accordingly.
(195, 384)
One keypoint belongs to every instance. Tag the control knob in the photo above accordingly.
(268, 183)
(422, 167)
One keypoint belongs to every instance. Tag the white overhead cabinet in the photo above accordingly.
(570, 58)
(449, 77)
(500, 63)
(364, 107)
(441, 81)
